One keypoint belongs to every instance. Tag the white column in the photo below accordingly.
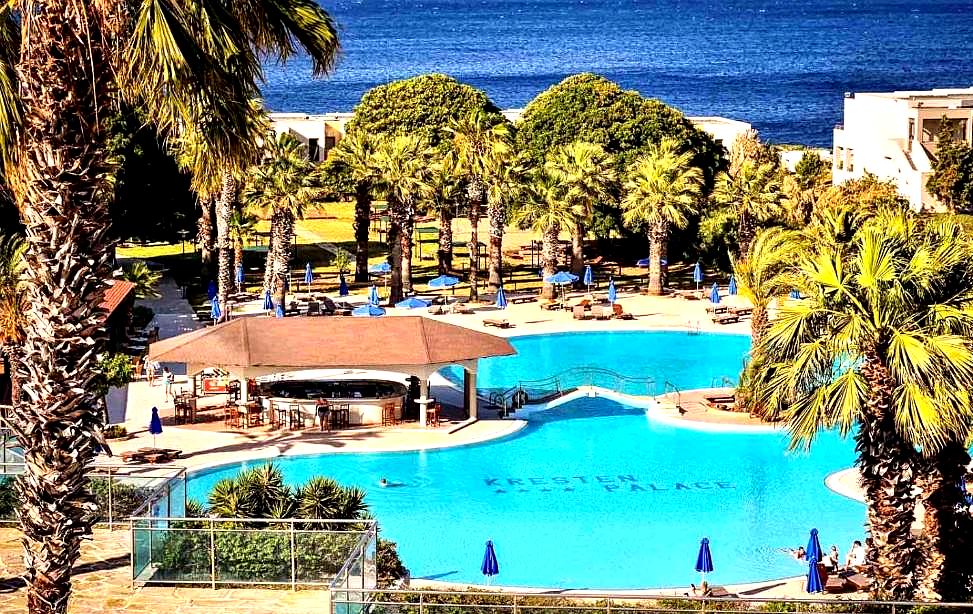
(423, 400)
(469, 390)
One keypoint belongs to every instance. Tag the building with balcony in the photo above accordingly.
(895, 135)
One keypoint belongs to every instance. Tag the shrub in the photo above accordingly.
(126, 498)
(388, 563)
(115, 431)
(8, 499)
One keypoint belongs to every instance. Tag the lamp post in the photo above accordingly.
(182, 240)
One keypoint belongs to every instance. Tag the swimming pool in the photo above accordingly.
(595, 494)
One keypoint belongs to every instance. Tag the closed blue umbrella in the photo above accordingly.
(443, 281)
(612, 294)
(501, 299)
(795, 293)
(714, 293)
(813, 552)
(561, 278)
(643, 263)
(489, 567)
(813, 577)
(588, 277)
(211, 290)
(342, 285)
(279, 311)
(214, 311)
(698, 275)
(239, 278)
(368, 311)
(380, 267)
(412, 303)
(268, 302)
(704, 559)
(733, 285)
(308, 276)
(155, 424)
(373, 296)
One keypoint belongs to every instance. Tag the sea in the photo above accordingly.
(782, 65)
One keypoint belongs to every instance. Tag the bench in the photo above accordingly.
(727, 318)
(496, 322)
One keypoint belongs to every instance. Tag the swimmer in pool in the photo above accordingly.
(386, 484)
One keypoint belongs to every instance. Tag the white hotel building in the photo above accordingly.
(894, 136)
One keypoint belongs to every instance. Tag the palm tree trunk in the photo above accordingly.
(498, 219)
(945, 568)
(445, 254)
(887, 463)
(549, 259)
(759, 325)
(237, 256)
(408, 226)
(658, 235)
(60, 183)
(475, 194)
(745, 233)
(282, 231)
(206, 234)
(578, 233)
(224, 243)
(394, 237)
(363, 210)
(271, 254)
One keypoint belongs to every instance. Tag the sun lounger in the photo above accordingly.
(715, 309)
(727, 318)
(600, 313)
(578, 312)
(721, 398)
(521, 298)
(550, 306)
(460, 308)
(835, 584)
(436, 310)
(496, 322)
(620, 313)
(718, 591)
(859, 582)
(741, 311)
(314, 308)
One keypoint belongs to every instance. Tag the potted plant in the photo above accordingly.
(116, 372)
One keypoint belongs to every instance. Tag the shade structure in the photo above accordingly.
(733, 285)
(279, 311)
(268, 302)
(704, 559)
(588, 277)
(501, 302)
(368, 311)
(443, 281)
(308, 275)
(612, 294)
(373, 296)
(155, 424)
(813, 551)
(211, 290)
(814, 584)
(412, 303)
(214, 311)
(489, 567)
(643, 263)
(561, 278)
(239, 276)
(342, 285)
(380, 267)
(714, 293)
(698, 275)
(795, 294)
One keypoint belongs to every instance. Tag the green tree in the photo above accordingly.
(355, 155)
(661, 191)
(145, 279)
(881, 347)
(803, 188)
(752, 196)
(504, 176)
(284, 186)
(587, 178)
(83, 58)
(952, 178)
(443, 190)
(544, 211)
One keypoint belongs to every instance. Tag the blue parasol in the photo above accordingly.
(342, 285)
(155, 424)
(813, 551)
(489, 567)
(643, 263)
(380, 267)
(308, 276)
(501, 299)
(698, 275)
(443, 281)
(373, 296)
(588, 277)
(368, 311)
(796, 293)
(239, 278)
(279, 311)
(733, 285)
(561, 278)
(268, 302)
(714, 293)
(704, 560)
(412, 303)
(813, 577)
(214, 311)
(612, 294)
(211, 290)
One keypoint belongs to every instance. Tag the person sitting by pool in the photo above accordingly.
(856, 557)
(833, 560)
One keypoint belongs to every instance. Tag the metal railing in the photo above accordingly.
(544, 389)
(483, 602)
(245, 552)
(668, 387)
(721, 381)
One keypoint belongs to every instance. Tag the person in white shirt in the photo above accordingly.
(856, 556)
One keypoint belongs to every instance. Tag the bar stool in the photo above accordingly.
(388, 414)
(294, 419)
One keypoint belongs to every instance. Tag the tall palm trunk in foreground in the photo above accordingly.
(282, 225)
(206, 235)
(394, 237)
(224, 211)
(60, 183)
(658, 237)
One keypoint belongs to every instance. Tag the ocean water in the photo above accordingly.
(782, 65)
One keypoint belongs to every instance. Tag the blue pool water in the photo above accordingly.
(596, 494)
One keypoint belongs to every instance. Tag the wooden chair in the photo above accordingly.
(433, 415)
(231, 416)
(388, 414)
(294, 418)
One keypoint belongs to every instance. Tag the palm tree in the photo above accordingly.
(283, 185)
(587, 178)
(661, 192)
(803, 188)
(504, 184)
(242, 226)
(356, 152)
(475, 138)
(753, 193)
(881, 347)
(543, 210)
(443, 191)
(145, 279)
(401, 163)
(169, 58)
